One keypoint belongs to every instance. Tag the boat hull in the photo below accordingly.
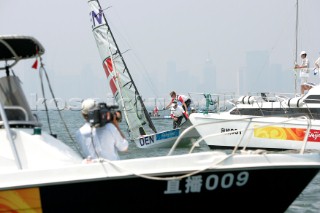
(271, 133)
(167, 139)
(272, 189)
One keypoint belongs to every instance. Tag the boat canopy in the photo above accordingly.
(14, 48)
(17, 47)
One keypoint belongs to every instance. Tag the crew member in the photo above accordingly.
(304, 72)
(183, 99)
(177, 114)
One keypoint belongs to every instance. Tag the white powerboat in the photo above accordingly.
(273, 122)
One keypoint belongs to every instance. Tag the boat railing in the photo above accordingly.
(266, 104)
(212, 102)
(280, 106)
(17, 116)
(249, 119)
(10, 136)
(16, 113)
(272, 95)
(262, 97)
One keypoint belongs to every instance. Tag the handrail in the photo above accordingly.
(19, 108)
(16, 122)
(20, 123)
(9, 136)
(219, 100)
(281, 103)
(305, 140)
(260, 101)
(250, 119)
(202, 137)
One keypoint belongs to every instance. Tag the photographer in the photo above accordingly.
(103, 140)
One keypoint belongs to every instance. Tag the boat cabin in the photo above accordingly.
(14, 107)
(307, 105)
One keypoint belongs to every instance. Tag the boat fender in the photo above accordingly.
(246, 99)
(295, 102)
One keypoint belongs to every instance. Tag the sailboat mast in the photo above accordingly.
(151, 125)
(296, 45)
(297, 28)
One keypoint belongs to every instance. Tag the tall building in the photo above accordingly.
(172, 76)
(209, 77)
(260, 76)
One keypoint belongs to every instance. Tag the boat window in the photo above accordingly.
(313, 99)
(15, 115)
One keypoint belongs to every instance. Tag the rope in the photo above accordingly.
(42, 69)
(210, 165)
(43, 94)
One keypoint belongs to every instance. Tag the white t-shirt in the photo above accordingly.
(177, 112)
(105, 143)
(304, 72)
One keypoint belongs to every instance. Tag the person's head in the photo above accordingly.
(173, 94)
(86, 106)
(303, 54)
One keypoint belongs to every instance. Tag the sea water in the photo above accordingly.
(65, 123)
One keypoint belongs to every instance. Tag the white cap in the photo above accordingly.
(87, 105)
(303, 52)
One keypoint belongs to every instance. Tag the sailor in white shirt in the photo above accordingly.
(304, 72)
(177, 114)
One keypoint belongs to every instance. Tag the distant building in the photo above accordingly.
(171, 76)
(260, 76)
(209, 77)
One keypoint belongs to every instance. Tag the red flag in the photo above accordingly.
(35, 64)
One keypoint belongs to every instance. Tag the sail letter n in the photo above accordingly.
(96, 17)
(107, 66)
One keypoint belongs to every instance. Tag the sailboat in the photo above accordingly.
(123, 87)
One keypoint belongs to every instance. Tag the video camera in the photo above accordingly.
(102, 115)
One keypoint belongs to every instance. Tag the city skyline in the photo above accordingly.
(258, 75)
(152, 34)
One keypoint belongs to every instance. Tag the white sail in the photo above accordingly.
(118, 76)
(123, 88)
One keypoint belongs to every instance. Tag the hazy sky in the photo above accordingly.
(156, 32)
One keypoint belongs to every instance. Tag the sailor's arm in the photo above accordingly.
(168, 105)
(185, 106)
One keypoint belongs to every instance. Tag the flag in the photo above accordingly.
(35, 64)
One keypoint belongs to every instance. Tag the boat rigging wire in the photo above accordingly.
(43, 70)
